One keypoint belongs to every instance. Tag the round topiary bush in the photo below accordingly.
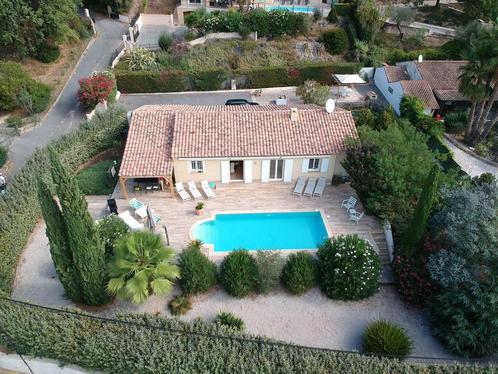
(335, 41)
(165, 41)
(180, 304)
(299, 273)
(48, 53)
(348, 267)
(197, 273)
(229, 320)
(239, 273)
(387, 339)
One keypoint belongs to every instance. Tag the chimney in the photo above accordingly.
(294, 115)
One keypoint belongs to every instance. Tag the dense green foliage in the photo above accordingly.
(456, 122)
(3, 155)
(197, 272)
(229, 320)
(369, 18)
(412, 108)
(165, 41)
(386, 339)
(19, 206)
(269, 264)
(299, 273)
(180, 304)
(445, 52)
(48, 53)
(119, 348)
(95, 179)
(313, 92)
(111, 229)
(209, 80)
(335, 41)
(332, 16)
(239, 273)
(141, 266)
(348, 268)
(151, 81)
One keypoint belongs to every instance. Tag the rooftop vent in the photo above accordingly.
(294, 114)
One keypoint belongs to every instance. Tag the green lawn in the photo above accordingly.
(95, 180)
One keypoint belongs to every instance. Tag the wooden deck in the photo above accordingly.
(178, 216)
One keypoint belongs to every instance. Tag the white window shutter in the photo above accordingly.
(324, 165)
(225, 171)
(265, 171)
(247, 171)
(189, 166)
(304, 168)
(288, 163)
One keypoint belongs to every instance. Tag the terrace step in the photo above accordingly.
(380, 240)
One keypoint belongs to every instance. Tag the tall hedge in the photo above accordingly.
(151, 81)
(143, 346)
(19, 207)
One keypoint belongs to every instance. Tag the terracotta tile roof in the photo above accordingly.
(396, 73)
(443, 77)
(161, 133)
(422, 90)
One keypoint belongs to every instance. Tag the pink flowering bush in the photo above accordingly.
(348, 267)
(95, 90)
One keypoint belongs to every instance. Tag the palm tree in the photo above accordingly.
(142, 266)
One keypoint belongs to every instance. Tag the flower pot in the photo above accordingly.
(199, 212)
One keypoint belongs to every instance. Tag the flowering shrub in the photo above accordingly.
(95, 90)
(348, 267)
(111, 228)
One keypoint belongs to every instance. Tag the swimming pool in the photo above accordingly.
(292, 8)
(262, 231)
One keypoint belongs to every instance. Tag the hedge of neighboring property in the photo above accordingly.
(142, 345)
(448, 162)
(19, 206)
(151, 81)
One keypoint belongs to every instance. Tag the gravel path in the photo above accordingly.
(471, 165)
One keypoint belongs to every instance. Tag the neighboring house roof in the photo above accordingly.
(396, 73)
(443, 77)
(422, 90)
(160, 133)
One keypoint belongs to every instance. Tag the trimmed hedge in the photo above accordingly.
(151, 81)
(343, 9)
(19, 206)
(143, 346)
(209, 80)
(437, 145)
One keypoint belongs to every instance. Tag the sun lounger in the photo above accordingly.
(130, 221)
(207, 190)
(299, 188)
(193, 190)
(181, 191)
(349, 203)
(320, 187)
(355, 216)
(310, 187)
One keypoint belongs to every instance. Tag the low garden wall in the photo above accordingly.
(220, 36)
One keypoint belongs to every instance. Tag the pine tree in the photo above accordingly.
(59, 243)
(86, 247)
(422, 212)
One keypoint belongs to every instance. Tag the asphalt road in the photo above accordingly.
(66, 114)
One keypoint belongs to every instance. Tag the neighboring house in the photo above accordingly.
(235, 143)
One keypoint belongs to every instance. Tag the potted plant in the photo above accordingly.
(199, 208)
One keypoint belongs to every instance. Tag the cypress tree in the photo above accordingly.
(420, 217)
(59, 243)
(86, 246)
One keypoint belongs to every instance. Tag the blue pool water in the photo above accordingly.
(263, 231)
(292, 8)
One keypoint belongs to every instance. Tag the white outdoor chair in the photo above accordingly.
(299, 188)
(355, 216)
(181, 191)
(320, 187)
(207, 190)
(349, 203)
(310, 187)
(130, 221)
(193, 190)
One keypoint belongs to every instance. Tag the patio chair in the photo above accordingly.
(355, 216)
(320, 187)
(349, 203)
(136, 204)
(130, 221)
(181, 191)
(310, 187)
(207, 189)
(298, 190)
(193, 190)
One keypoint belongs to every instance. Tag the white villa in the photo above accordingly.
(235, 144)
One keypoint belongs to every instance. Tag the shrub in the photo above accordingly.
(412, 108)
(140, 59)
(165, 41)
(343, 9)
(386, 339)
(284, 22)
(349, 268)
(12, 79)
(209, 80)
(111, 229)
(456, 122)
(335, 41)
(239, 273)
(366, 118)
(48, 53)
(3, 155)
(180, 305)
(151, 81)
(94, 90)
(332, 16)
(270, 264)
(313, 93)
(40, 96)
(14, 121)
(189, 35)
(299, 273)
(197, 272)
(257, 20)
(229, 320)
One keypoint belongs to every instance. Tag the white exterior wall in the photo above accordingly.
(381, 82)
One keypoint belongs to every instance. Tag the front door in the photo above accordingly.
(276, 169)
(236, 170)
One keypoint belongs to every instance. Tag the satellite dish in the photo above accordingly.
(420, 58)
(330, 105)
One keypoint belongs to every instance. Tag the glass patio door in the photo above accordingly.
(276, 169)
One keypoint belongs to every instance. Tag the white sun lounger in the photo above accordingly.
(181, 191)
(193, 190)
(207, 190)
(130, 221)
(320, 187)
(298, 190)
(310, 187)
